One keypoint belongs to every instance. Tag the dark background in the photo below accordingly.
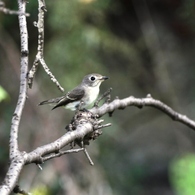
(145, 47)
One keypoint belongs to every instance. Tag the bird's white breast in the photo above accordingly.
(72, 105)
(91, 94)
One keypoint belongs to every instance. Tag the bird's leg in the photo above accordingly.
(85, 110)
(79, 106)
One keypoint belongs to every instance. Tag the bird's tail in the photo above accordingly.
(51, 101)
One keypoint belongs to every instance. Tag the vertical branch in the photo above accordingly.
(14, 151)
(17, 159)
(12, 175)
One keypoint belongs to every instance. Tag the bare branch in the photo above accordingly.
(60, 153)
(17, 159)
(141, 102)
(39, 56)
(86, 128)
(23, 82)
(83, 130)
(37, 155)
(12, 175)
(52, 77)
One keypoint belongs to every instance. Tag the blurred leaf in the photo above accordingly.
(3, 94)
(182, 174)
(40, 190)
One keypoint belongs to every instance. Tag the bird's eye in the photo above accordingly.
(92, 78)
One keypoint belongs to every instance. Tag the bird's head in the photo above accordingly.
(93, 80)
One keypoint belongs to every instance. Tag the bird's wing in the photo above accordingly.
(74, 95)
(51, 101)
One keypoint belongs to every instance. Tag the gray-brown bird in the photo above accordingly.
(86, 92)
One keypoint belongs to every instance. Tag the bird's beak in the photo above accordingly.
(104, 78)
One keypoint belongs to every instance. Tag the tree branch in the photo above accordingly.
(82, 127)
(12, 175)
(36, 156)
(60, 153)
(141, 102)
(23, 82)
(16, 157)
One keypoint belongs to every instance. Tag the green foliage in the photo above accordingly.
(80, 37)
(73, 48)
(3, 94)
(182, 174)
(40, 190)
(187, 12)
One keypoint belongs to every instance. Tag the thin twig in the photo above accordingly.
(39, 58)
(86, 153)
(88, 157)
(60, 153)
(52, 77)
(40, 167)
(103, 126)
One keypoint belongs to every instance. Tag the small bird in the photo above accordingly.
(85, 93)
